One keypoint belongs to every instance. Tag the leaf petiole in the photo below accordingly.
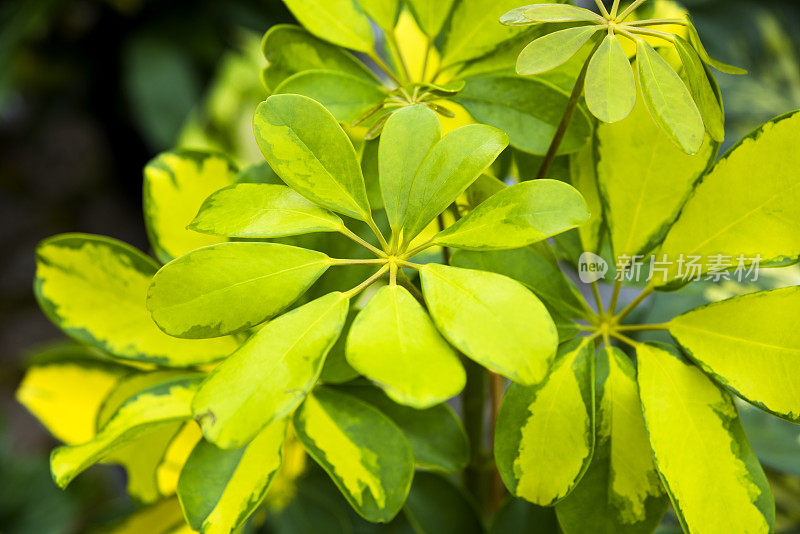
(366, 283)
(653, 33)
(602, 8)
(657, 22)
(625, 339)
(642, 327)
(375, 230)
(345, 231)
(632, 306)
(631, 9)
(376, 261)
(384, 67)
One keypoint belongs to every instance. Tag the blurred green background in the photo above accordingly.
(91, 90)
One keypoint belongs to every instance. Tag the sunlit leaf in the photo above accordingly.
(271, 374)
(668, 99)
(430, 16)
(702, 91)
(610, 83)
(561, 13)
(749, 344)
(695, 434)
(305, 145)
(492, 319)
(175, 184)
(448, 169)
(535, 266)
(262, 210)
(435, 434)
(340, 22)
(94, 289)
(544, 435)
(554, 49)
(518, 216)
(644, 180)
(383, 12)
(364, 453)
(474, 29)
(620, 492)
(407, 137)
(228, 287)
(144, 413)
(731, 214)
(219, 489)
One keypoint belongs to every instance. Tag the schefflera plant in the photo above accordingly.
(684, 105)
(363, 60)
(406, 342)
(612, 436)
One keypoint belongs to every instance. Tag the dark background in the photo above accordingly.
(91, 90)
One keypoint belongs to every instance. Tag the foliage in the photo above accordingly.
(330, 306)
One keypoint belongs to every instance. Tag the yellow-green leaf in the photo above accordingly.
(341, 22)
(583, 176)
(94, 289)
(702, 91)
(65, 387)
(732, 214)
(554, 49)
(644, 180)
(308, 149)
(448, 169)
(696, 436)
(561, 13)
(144, 413)
(271, 374)
(668, 99)
(694, 37)
(175, 185)
(228, 287)
(435, 434)
(610, 83)
(346, 96)
(290, 49)
(383, 12)
(474, 30)
(492, 319)
(407, 137)
(518, 216)
(362, 450)
(218, 489)
(621, 492)
(430, 16)
(394, 343)
(751, 345)
(544, 436)
(262, 211)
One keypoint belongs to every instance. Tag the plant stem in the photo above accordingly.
(602, 8)
(597, 299)
(475, 475)
(370, 261)
(615, 9)
(625, 339)
(384, 67)
(657, 22)
(445, 250)
(392, 40)
(417, 250)
(632, 306)
(496, 395)
(566, 118)
(375, 230)
(428, 46)
(631, 9)
(620, 30)
(345, 231)
(653, 33)
(408, 284)
(366, 283)
(642, 327)
(612, 307)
